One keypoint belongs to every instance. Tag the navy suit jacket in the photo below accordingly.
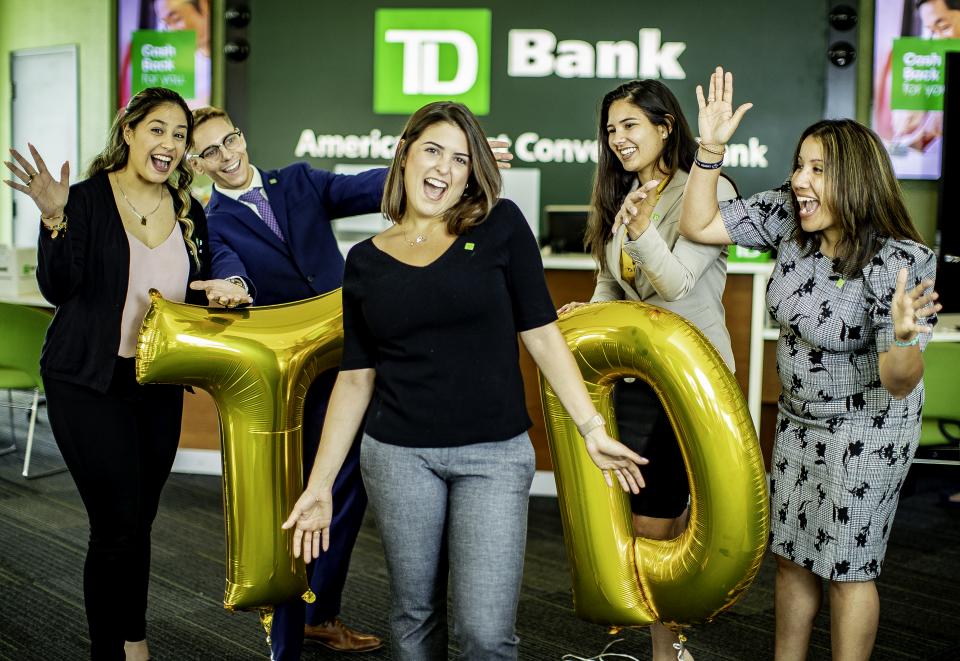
(304, 200)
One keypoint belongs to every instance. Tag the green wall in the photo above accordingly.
(39, 23)
(89, 23)
(300, 84)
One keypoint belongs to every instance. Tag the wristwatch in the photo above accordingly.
(591, 424)
(239, 282)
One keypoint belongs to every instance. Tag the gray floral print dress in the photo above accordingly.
(843, 444)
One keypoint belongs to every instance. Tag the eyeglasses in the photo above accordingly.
(214, 153)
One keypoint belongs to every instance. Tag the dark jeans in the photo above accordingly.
(119, 447)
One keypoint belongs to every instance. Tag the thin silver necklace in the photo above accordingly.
(141, 216)
(419, 238)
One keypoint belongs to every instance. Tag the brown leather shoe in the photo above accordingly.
(341, 638)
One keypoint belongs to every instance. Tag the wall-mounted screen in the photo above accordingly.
(164, 43)
(911, 38)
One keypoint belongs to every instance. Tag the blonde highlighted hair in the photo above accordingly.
(205, 114)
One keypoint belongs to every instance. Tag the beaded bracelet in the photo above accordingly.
(705, 147)
(908, 343)
(59, 227)
(707, 166)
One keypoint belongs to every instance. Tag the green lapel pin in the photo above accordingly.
(469, 246)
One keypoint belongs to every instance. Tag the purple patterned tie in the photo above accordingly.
(256, 198)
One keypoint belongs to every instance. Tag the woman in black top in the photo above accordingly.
(432, 308)
(118, 438)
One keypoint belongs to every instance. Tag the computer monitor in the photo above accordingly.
(564, 227)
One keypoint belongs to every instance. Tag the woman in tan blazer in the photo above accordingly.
(646, 151)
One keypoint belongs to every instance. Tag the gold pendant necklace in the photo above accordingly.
(141, 216)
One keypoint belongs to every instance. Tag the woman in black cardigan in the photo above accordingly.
(104, 242)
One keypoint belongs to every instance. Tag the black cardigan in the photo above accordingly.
(84, 273)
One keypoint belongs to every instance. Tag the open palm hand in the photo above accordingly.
(717, 120)
(48, 194)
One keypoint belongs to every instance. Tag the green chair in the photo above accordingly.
(22, 330)
(940, 434)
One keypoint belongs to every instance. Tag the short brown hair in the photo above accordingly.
(483, 183)
(205, 114)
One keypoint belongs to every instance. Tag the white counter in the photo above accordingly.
(34, 300)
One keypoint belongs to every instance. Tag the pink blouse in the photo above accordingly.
(165, 268)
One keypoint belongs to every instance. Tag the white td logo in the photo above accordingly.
(421, 60)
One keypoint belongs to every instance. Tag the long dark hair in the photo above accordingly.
(861, 192)
(483, 184)
(611, 183)
(114, 156)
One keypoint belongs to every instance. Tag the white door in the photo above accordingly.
(45, 113)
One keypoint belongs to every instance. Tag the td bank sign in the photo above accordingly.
(424, 55)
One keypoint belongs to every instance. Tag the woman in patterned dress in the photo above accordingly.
(852, 292)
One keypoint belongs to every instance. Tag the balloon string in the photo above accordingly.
(604, 654)
(679, 646)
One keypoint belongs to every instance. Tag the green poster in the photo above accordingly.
(918, 72)
(164, 59)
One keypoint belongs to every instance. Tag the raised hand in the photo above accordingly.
(48, 194)
(908, 308)
(310, 518)
(717, 120)
(612, 456)
(635, 211)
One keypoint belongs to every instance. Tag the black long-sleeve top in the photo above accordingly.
(84, 273)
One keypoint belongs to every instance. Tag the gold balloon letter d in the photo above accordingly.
(621, 580)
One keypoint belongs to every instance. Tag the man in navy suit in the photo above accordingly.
(271, 229)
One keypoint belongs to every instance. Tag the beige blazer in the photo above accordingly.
(673, 272)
